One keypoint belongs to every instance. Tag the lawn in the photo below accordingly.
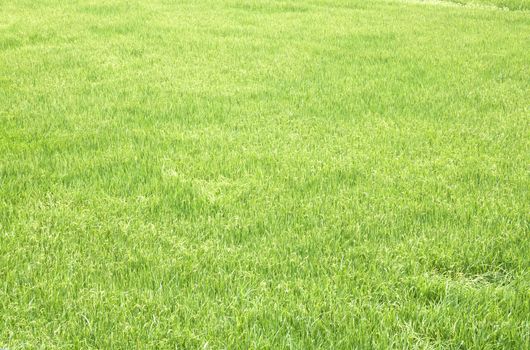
(264, 174)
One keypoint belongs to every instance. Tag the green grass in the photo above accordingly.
(264, 174)
(503, 4)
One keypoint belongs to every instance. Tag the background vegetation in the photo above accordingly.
(505, 4)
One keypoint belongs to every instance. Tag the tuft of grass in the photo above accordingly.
(264, 174)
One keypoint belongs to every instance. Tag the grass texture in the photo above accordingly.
(503, 4)
(264, 174)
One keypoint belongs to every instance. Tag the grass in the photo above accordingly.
(264, 174)
(503, 4)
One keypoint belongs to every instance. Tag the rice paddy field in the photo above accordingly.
(264, 174)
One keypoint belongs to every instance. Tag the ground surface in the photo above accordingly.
(264, 174)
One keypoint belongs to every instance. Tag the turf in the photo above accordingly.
(502, 4)
(264, 174)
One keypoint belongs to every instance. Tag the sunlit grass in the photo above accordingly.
(264, 174)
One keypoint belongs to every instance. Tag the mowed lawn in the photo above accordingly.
(264, 174)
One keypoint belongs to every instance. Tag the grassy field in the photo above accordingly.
(264, 174)
(503, 4)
